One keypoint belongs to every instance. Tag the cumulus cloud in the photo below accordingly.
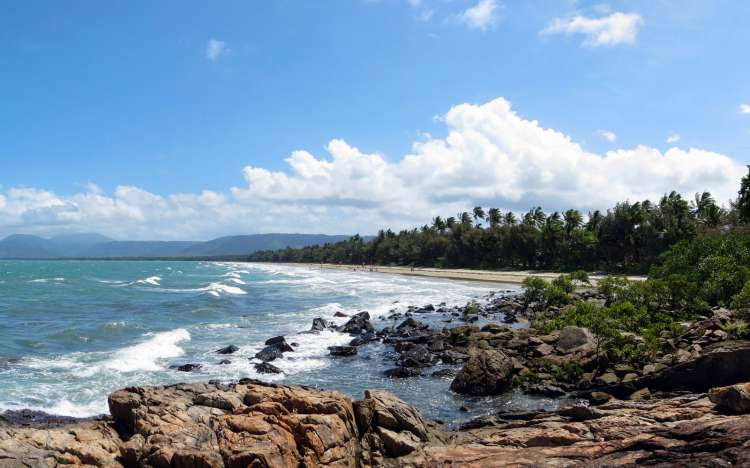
(745, 108)
(607, 135)
(614, 29)
(490, 156)
(481, 16)
(673, 138)
(215, 49)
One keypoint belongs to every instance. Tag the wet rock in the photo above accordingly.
(402, 372)
(190, 367)
(224, 362)
(448, 372)
(549, 391)
(269, 353)
(417, 356)
(487, 372)
(340, 314)
(364, 339)
(735, 398)
(342, 350)
(358, 324)
(267, 368)
(411, 324)
(280, 343)
(231, 349)
(319, 324)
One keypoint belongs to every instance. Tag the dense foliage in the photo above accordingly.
(629, 238)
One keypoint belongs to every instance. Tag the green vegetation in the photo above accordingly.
(626, 238)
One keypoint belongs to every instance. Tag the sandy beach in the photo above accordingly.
(505, 276)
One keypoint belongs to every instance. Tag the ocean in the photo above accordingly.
(71, 332)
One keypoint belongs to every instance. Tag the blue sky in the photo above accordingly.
(117, 111)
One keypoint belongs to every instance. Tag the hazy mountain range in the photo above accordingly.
(92, 245)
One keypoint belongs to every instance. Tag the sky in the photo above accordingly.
(192, 120)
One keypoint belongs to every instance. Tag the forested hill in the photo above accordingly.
(627, 237)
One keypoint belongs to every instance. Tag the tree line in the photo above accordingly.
(628, 237)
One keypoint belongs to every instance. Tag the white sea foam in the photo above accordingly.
(48, 280)
(152, 280)
(145, 356)
(217, 289)
(236, 281)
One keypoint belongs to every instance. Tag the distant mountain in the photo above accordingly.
(240, 245)
(92, 245)
(139, 249)
(26, 246)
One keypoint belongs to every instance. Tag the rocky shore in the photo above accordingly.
(687, 405)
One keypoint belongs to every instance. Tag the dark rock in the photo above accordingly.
(342, 350)
(280, 343)
(363, 339)
(402, 372)
(448, 372)
(224, 362)
(231, 349)
(190, 367)
(418, 356)
(319, 324)
(266, 368)
(358, 324)
(549, 391)
(269, 353)
(411, 324)
(340, 314)
(488, 372)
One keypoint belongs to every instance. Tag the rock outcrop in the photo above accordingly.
(257, 424)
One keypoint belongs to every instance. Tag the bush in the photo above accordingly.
(564, 282)
(712, 269)
(613, 288)
(741, 300)
(533, 289)
(569, 372)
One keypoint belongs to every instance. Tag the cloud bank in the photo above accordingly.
(490, 156)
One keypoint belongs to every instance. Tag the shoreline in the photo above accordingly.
(460, 274)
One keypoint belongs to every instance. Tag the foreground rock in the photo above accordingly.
(487, 372)
(265, 425)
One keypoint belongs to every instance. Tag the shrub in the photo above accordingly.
(741, 300)
(564, 282)
(569, 371)
(533, 289)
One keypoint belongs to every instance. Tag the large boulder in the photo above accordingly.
(735, 398)
(720, 364)
(573, 337)
(487, 372)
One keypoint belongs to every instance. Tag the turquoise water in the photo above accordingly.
(73, 331)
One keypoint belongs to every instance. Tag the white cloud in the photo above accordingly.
(215, 49)
(673, 138)
(481, 16)
(607, 135)
(745, 108)
(490, 156)
(617, 28)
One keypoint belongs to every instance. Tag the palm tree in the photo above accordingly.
(438, 224)
(450, 223)
(595, 220)
(464, 218)
(510, 219)
(573, 220)
(494, 217)
(478, 214)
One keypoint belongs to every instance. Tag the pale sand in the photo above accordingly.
(509, 276)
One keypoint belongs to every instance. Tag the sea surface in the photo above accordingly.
(71, 332)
